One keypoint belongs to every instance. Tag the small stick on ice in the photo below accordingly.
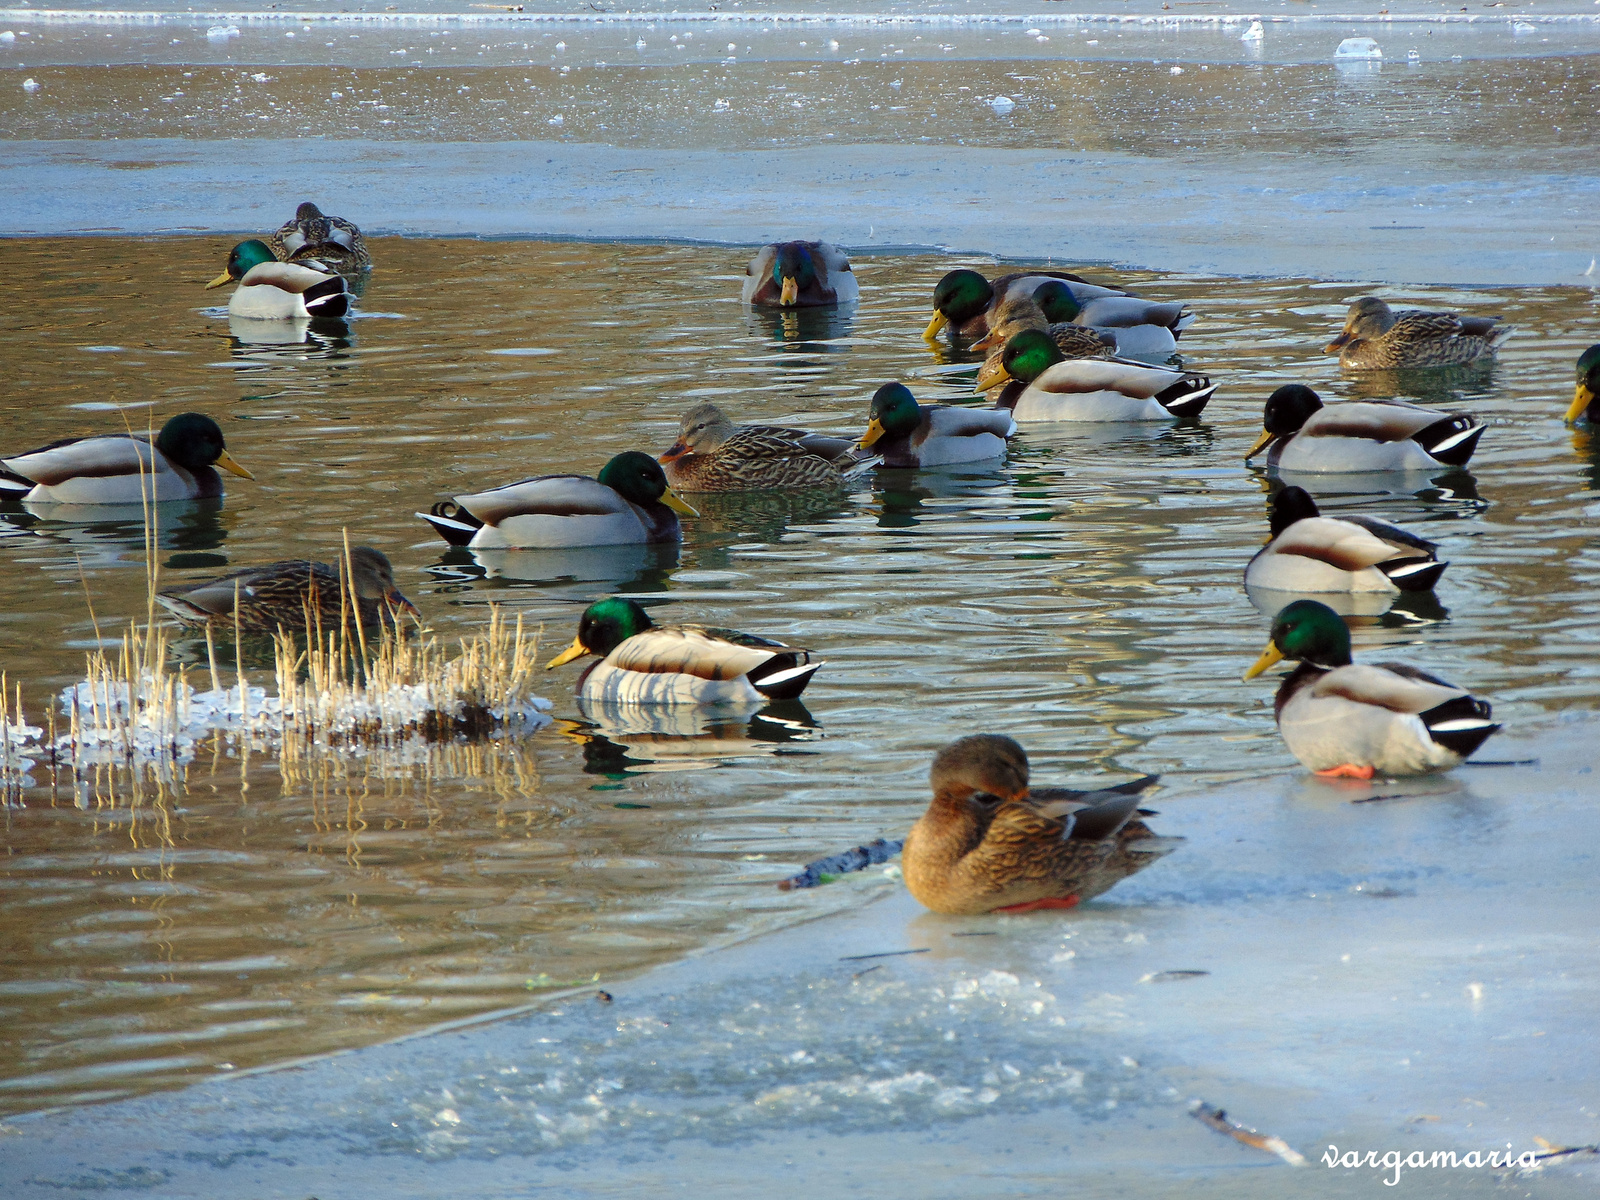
(874, 852)
(1218, 1120)
(1552, 1151)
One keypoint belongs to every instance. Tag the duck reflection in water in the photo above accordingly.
(575, 572)
(300, 340)
(811, 330)
(1433, 387)
(900, 496)
(110, 535)
(619, 740)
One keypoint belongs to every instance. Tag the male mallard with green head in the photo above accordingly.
(313, 236)
(1088, 389)
(1342, 718)
(1375, 337)
(628, 504)
(294, 595)
(1586, 399)
(712, 454)
(644, 663)
(964, 300)
(990, 842)
(908, 434)
(278, 291)
(799, 275)
(122, 468)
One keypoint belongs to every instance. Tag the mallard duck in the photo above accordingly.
(1088, 389)
(712, 454)
(629, 503)
(991, 843)
(908, 434)
(1019, 312)
(121, 468)
(1361, 435)
(1144, 328)
(1313, 553)
(273, 290)
(1586, 399)
(1342, 718)
(292, 595)
(643, 663)
(312, 236)
(799, 275)
(1376, 337)
(964, 299)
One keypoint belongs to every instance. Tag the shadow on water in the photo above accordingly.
(104, 535)
(576, 572)
(621, 740)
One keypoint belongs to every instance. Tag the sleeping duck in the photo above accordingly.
(122, 468)
(1088, 389)
(1019, 312)
(1300, 434)
(331, 241)
(1313, 553)
(1376, 337)
(1145, 328)
(712, 454)
(991, 843)
(644, 663)
(799, 275)
(277, 291)
(1341, 718)
(1586, 399)
(908, 434)
(964, 300)
(627, 504)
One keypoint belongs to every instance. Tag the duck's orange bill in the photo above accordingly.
(875, 430)
(1261, 444)
(1269, 656)
(1581, 399)
(227, 463)
(935, 323)
(396, 600)
(1337, 342)
(576, 650)
(674, 452)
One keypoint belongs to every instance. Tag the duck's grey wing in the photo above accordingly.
(554, 495)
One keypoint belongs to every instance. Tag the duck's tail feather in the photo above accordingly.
(1451, 440)
(1101, 821)
(1413, 574)
(329, 298)
(786, 683)
(452, 522)
(13, 485)
(1188, 397)
(1461, 724)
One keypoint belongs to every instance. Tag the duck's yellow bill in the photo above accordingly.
(672, 500)
(227, 463)
(1261, 444)
(1336, 343)
(935, 323)
(576, 650)
(1269, 656)
(875, 430)
(991, 375)
(222, 280)
(1581, 399)
(789, 294)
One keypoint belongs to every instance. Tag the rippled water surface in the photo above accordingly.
(1083, 595)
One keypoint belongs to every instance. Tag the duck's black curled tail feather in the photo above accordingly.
(13, 485)
(1187, 397)
(1450, 440)
(452, 522)
(329, 298)
(1413, 574)
(783, 677)
(1461, 724)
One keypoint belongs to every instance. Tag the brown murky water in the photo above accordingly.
(1084, 596)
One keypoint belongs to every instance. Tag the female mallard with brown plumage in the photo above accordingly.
(799, 275)
(644, 663)
(712, 454)
(991, 843)
(294, 595)
(311, 235)
(1352, 719)
(1020, 311)
(1375, 337)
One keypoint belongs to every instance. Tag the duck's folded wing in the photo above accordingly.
(1342, 544)
(217, 595)
(552, 495)
(286, 276)
(1394, 686)
(1120, 312)
(86, 458)
(1394, 535)
(688, 650)
(1099, 375)
(830, 258)
(1413, 326)
(955, 421)
(775, 442)
(758, 274)
(1376, 420)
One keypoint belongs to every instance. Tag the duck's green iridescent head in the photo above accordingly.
(1586, 400)
(793, 271)
(241, 258)
(957, 298)
(1056, 301)
(194, 441)
(1306, 631)
(894, 411)
(604, 626)
(1026, 356)
(638, 478)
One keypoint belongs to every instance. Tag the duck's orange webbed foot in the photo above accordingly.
(1347, 771)
(1037, 905)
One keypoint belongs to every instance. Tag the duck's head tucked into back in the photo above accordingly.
(1306, 631)
(958, 298)
(1056, 301)
(605, 625)
(1290, 505)
(638, 478)
(1026, 356)
(1368, 318)
(702, 430)
(1586, 400)
(983, 763)
(194, 441)
(240, 259)
(894, 412)
(1287, 410)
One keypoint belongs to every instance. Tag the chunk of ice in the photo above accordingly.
(1362, 48)
(1002, 104)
